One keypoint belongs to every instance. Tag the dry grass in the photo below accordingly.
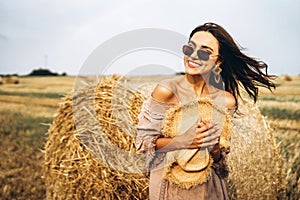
(26, 110)
(285, 124)
(29, 101)
(283, 105)
(285, 88)
(23, 134)
(21, 140)
(27, 97)
(41, 85)
(282, 109)
(21, 175)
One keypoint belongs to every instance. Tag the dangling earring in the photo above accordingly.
(217, 71)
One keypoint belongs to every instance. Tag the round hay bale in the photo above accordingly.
(12, 80)
(87, 154)
(1, 80)
(90, 151)
(253, 159)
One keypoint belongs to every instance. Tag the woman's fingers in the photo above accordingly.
(204, 145)
(204, 132)
(211, 138)
(208, 144)
(207, 135)
(208, 138)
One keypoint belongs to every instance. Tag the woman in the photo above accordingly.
(214, 67)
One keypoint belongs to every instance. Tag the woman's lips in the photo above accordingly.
(193, 64)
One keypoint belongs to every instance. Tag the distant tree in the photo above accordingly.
(42, 72)
(7, 75)
(64, 74)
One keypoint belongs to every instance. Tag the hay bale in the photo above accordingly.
(12, 80)
(253, 159)
(90, 152)
(87, 154)
(287, 78)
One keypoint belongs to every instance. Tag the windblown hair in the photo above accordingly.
(238, 68)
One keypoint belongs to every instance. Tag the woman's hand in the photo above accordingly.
(202, 134)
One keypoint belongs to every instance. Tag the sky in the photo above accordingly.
(61, 34)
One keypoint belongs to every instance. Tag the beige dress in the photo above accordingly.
(149, 130)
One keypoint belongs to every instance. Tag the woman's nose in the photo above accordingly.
(194, 55)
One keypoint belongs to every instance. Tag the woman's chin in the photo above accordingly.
(195, 71)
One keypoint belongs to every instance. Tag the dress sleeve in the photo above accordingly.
(221, 167)
(149, 130)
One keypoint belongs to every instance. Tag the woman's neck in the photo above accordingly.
(198, 83)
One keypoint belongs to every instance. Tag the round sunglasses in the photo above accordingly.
(202, 54)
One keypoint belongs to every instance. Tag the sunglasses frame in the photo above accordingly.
(201, 54)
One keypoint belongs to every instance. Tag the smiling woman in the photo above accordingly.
(210, 56)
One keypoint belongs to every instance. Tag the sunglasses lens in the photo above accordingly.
(203, 55)
(187, 50)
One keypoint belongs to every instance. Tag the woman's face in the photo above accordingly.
(204, 41)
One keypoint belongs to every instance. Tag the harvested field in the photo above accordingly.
(27, 109)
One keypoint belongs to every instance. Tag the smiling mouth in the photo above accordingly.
(193, 64)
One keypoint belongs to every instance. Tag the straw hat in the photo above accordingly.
(190, 167)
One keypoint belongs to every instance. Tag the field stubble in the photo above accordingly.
(28, 107)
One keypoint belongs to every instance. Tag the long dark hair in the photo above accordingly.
(236, 66)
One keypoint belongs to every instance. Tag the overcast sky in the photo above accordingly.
(61, 34)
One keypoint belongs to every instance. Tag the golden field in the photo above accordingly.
(27, 110)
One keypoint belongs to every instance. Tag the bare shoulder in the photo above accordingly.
(229, 100)
(163, 94)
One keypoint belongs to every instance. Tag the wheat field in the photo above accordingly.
(28, 109)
